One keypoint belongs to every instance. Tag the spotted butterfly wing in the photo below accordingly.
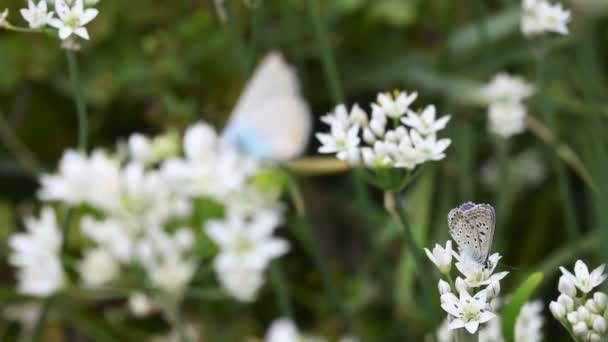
(472, 227)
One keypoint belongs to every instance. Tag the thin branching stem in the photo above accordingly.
(280, 289)
(81, 108)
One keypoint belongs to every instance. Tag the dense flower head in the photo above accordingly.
(584, 314)
(541, 16)
(467, 311)
(393, 136)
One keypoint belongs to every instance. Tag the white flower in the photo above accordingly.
(36, 15)
(468, 312)
(241, 282)
(98, 268)
(80, 179)
(506, 88)
(397, 104)
(566, 301)
(140, 304)
(282, 330)
(441, 257)
(72, 19)
(425, 123)
(507, 118)
(248, 244)
(477, 275)
(566, 286)
(340, 141)
(429, 148)
(540, 16)
(443, 287)
(171, 275)
(584, 280)
(111, 235)
(528, 325)
(36, 255)
(558, 310)
(339, 118)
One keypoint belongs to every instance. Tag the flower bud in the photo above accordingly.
(369, 136)
(593, 337)
(444, 287)
(599, 324)
(580, 329)
(461, 285)
(557, 310)
(601, 300)
(567, 302)
(573, 317)
(592, 306)
(566, 286)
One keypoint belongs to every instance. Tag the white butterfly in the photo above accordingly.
(472, 227)
(271, 120)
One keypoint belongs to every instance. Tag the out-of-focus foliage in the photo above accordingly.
(158, 65)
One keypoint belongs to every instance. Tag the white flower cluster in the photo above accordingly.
(140, 208)
(506, 112)
(583, 314)
(528, 326)
(393, 137)
(541, 16)
(72, 16)
(471, 307)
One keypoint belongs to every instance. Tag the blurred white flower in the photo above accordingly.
(507, 119)
(566, 286)
(441, 257)
(98, 268)
(36, 16)
(340, 118)
(72, 19)
(506, 88)
(492, 332)
(584, 280)
(467, 311)
(110, 235)
(443, 287)
(144, 150)
(3, 16)
(396, 104)
(282, 330)
(558, 310)
(36, 255)
(94, 180)
(241, 282)
(425, 123)
(540, 16)
(140, 304)
(529, 322)
(246, 243)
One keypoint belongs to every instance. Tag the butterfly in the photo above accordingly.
(271, 120)
(472, 227)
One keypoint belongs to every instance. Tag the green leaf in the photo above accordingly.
(520, 297)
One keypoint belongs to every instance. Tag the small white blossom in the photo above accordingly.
(36, 255)
(506, 88)
(98, 268)
(477, 275)
(584, 280)
(467, 311)
(36, 16)
(397, 104)
(429, 148)
(529, 322)
(282, 330)
(492, 332)
(3, 16)
(441, 257)
(443, 287)
(72, 19)
(507, 118)
(425, 123)
(340, 141)
(540, 16)
(558, 310)
(566, 286)
(241, 282)
(140, 304)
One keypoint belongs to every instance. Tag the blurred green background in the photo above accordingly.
(155, 65)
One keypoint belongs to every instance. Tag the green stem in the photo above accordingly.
(327, 57)
(42, 318)
(280, 289)
(395, 208)
(562, 176)
(81, 108)
(304, 232)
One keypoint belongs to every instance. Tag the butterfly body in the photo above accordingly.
(472, 227)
